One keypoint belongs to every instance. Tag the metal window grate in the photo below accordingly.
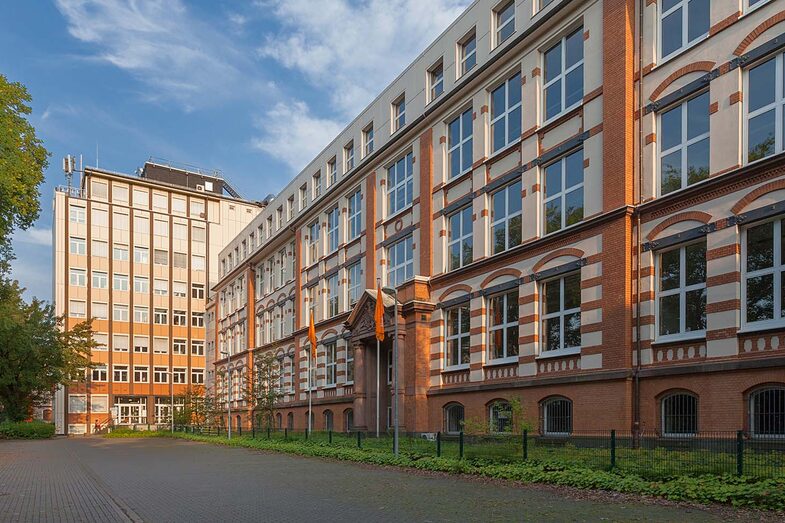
(680, 414)
(767, 410)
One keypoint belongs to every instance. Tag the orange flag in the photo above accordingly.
(312, 336)
(378, 315)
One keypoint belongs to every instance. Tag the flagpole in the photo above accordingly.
(378, 349)
(310, 390)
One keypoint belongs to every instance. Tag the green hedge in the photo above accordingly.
(129, 433)
(26, 430)
(727, 489)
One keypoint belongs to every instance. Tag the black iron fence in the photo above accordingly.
(649, 455)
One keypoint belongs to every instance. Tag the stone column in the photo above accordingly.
(360, 387)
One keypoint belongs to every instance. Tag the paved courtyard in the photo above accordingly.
(93, 479)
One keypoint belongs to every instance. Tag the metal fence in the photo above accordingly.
(649, 455)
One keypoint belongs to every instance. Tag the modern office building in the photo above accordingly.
(139, 255)
(580, 205)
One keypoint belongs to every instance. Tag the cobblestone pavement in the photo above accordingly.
(93, 479)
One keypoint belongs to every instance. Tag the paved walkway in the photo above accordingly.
(93, 479)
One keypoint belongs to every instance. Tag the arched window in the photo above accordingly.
(767, 412)
(290, 421)
(679, 414)
(348, 420)
(453, 418)
(557, 417)
(500, 417)
(328, 420)
(278, 421)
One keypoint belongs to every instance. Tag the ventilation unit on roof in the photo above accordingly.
(200, 188)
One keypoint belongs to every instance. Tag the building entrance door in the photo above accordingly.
(131, 411)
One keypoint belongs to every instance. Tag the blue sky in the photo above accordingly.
(254, 88)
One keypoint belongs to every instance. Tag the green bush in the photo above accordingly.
(727, 489)
(26, 430)
(130, 433)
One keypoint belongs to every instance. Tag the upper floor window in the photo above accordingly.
(459, 144)
(766, 98)
(763, 275)
(503, 326)
(77, 246)
(331, 363)
(504, 17)
(368, 140)
(506, 113)
(332, 171)
(333, 295)
(77, 214)
(289, 214)
(561, 313)
(355, 286)
(399, 184)
(563, 194)
(399, 113)
(458, 336)
(684, 144)
(681, 291)
(436, 80)
(467, 51)
(400, 262)
(460, 243)
(355, 214)
(682, 22)
(506, 218)
(317, 183)
(303, 200)
(313, 242)
(332, 229)
(278, 224)
(563, 88)
(348, 154)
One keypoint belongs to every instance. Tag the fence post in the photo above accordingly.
(739, 453)
(286, 433)
(306, 434)
(613, 449)
(439, 444)
(330, 436)
(268, 432)
(460, 445)
(525, 444)
(359, 439)
(253, 430)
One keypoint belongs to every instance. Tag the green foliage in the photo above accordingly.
(23, 159)
(26, 430)
(199, 408)
(36, 353)
(128, 433)
(261, 389)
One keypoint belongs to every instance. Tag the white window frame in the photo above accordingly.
(77, 214)
(354, 211)
(180, 346)
(368, 140)
(393, 265)
(399, 113)
(685, 42)
(119, 369)
(120, 282)
(100, 373)
(503, 118)
(141, 284)
(436, 80)
(100, 280)
(506, 218)
(682, 146)
(403, 183)
(141, 374)
(777, 270)
(499, 26)
(462, 309)
(354, 286)
(561, 77)
(122, 309)
(330, 364)
(681, 290)
(460, 239)
(459, 144)
(333, 296)
(506, 324)
(348, 154)
(778, 106)
(314, 231)
(560, 314)
(77, 246)
(77, 277)
(562, 194)
(464, 56)
(333, 224)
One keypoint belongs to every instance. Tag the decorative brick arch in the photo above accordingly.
(282, 296)
(755, 33)
(455, 288)
(567, 251)
(270, 303)
(509, 271)
(329, 332)
(753, 195)
(704, 66)
(697, 216)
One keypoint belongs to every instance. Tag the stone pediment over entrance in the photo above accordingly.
(361, 321)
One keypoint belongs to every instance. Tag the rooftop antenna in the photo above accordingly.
(96, 155)
(69, 166)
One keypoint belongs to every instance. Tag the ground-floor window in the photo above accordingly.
(131, 410)
(767, 412)
(557, 417)
(328, 420)
(679, 414)
(500, 417)
(290, 421)
(453, 418)
(278, 421)
(348, 420)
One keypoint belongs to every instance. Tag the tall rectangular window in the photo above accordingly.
(763, 267)
(333, 295)
(460, 243)
(506, 218)
(436, 81)
(681, 291)
(400, 184)
(682, 22)
(349, 365)
(348, 157)
(330, 363)
(563, 64)
(765, 98)
(303, 201)
(289, 216)
(563, 194)
(313, 242)
(333, 220)
(458, 336)
(506, 113)
(355, 214)
(368, 140)
(355, 285)
(400, 262)
(683, 143)
(459, 144)
(561, 313)
(503, 326)
(399, 113)
(468, 52)
(504, 17)
(317, 185)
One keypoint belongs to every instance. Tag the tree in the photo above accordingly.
(36, 353)
(23, 159)
(200, 408)
(261, 389)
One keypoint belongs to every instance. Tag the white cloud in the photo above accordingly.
(352, 50)
(177, 56)
(291, 133)
(35, 236)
